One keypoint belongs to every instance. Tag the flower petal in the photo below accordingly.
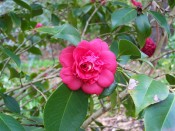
(109, 60)
(66, 60)
(66, 56)
(106, 78)
(68, 78)
(92, 88)
(99, 45)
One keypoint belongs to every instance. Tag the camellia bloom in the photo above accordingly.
(136, 4)
(38, 25)
(149, 47)
(89, 65)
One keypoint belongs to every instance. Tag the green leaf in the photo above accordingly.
(170, 79)
(108, 91)
(146, 91)
(11, 103)
(114, 47)
(123, 16)
(8, 23)
(130, 107)
(14, 57)
(69, 33)
(86, 9)
(65, 110)
(20, 37)
(14, 73)
(16, 20)
(161, 20)
(35, 50)
(113, 99)
(143, 28)
(128, 48)
(22, 4)
(49, 30)
(8, 123)
(171, 3)
(161, 116)
(54, 19)
(36, 9)
(147, 61)
(66, 32)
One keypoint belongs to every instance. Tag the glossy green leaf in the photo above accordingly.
(113, 99)
(161, 20)
(170, 79)
(8, 123)
(147, 61)
(123, 16)
(36, 9)
(8, 24)
(128, 48)
(143, 28)
(171, 3)
(65, 110)
(11, 103)
(14, 73)
(55, 20)
(114, 47)
(16, 20)
(35, 50)
(69, 33)
(161, 116)
(108, 91)
(146, 91)
(130, 107)
(21, 37)
(66, 32)
(22, 4)
(86, 9)
(13, 56)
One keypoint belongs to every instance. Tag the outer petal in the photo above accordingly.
(68, 78)
(92, 88)
(79, 52)
(99, 45)
(106, 78)
(109, 60)
(66, 56)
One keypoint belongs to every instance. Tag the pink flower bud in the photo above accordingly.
(149, 47)
(38, 25)
(136, 4)
(103, 2)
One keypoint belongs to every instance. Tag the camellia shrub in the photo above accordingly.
(104, 55)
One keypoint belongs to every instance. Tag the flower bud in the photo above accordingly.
(136, 4)
(38, 25)
(149, 47)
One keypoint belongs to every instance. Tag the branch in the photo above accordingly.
(87, 23)
(101, 111)
(164, 54)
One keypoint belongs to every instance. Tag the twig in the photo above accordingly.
(32, 82)
(101, 111)
(87, 22)
(164, 54)
(39, 92)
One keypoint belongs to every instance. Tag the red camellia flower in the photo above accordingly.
(38, 25)
(90, 66)
(136, 4)
(149, 47)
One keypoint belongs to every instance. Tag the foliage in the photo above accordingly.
(32, 96)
